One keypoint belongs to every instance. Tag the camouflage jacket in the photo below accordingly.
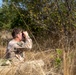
(15, 49)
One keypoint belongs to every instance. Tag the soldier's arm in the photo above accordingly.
(28, 42)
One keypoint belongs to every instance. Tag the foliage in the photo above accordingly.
(58, 59)
(39, 16)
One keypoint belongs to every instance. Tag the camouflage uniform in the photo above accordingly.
(15, 50)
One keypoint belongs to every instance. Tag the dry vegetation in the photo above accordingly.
(50, 67)
(57, 61)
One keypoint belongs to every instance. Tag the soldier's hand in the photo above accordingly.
(26, 34)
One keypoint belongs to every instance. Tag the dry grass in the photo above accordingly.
(52, 65)
(53, 60)
(48, 69)
(2, 51)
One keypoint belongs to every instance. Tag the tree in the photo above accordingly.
(54, 16)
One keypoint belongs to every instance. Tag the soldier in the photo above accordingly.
(15, 49)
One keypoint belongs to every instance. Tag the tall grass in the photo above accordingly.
(58, 56)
